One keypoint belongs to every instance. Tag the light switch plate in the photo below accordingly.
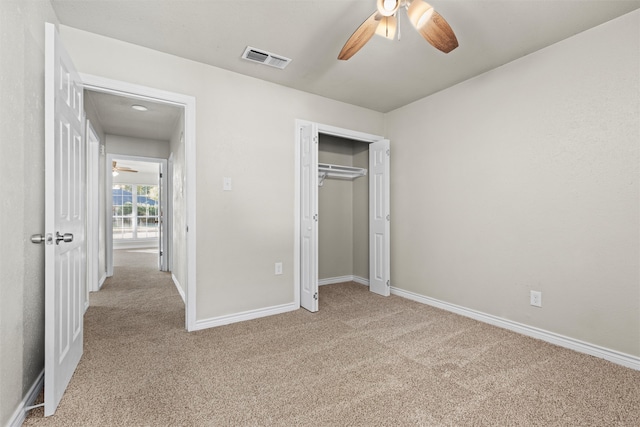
(226, 183)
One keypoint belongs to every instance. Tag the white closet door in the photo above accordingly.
(379, 218)
(309, 216)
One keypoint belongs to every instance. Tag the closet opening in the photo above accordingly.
(342, 229)
(343, 210)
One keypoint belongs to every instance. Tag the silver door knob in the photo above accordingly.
(37, 238)
(66, 237)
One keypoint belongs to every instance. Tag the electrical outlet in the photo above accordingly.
(278, 268)
(536, 298)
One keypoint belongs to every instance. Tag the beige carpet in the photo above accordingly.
(362, 360)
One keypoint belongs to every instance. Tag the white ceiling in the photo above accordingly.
(118, 118)
(383, 76)
(141, 167)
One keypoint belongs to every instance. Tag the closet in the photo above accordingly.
(343, 208)
(343, 216)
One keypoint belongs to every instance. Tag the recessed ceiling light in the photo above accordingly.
(139, 107)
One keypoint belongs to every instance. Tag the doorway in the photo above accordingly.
(308, 178)
(139, 207)
(183, 195)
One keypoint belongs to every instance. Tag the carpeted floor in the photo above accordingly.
(362, 360)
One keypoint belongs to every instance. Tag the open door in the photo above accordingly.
(163, 215)
(379, 218)
(65, 208)
(308, 135)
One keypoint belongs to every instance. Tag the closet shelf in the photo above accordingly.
(326, 170)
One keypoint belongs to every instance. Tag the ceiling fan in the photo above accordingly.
(116, 169)
(384, 21)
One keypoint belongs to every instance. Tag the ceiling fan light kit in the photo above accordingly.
(384, 22)
(419, 13)
(387, 27)
(388, 7)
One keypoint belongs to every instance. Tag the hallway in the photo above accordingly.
(128, 329)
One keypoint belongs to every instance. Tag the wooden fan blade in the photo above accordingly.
(360, 37)
(438, 32)
(115, 167)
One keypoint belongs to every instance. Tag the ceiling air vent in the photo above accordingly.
(264, 57)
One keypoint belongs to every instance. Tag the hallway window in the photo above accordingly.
(135, 211)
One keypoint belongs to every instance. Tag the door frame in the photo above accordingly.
(188, 103)
(298, 199)
(165, 205)
(168, 229)
(93, 209)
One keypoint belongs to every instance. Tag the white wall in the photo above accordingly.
(526, 178)
(241, 133)
(179, 218)
(335, 211)
(117, 144)
(92, 116)
(343, 228)
(140, 177)
(22, 189)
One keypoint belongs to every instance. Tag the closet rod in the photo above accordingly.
(326, 170)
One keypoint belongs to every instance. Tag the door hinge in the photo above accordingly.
(388, 283)
(160, 174)
(315, 139)
(315, 296)
(161, 253)
(315, 217)
(388, 152)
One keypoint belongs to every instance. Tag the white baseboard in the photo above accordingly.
(361, 280)
(614, 356)
(245, 315)
(102, 280)
(342, 279)
(179, 288)
(20, 413)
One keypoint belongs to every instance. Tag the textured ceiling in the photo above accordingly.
(118, 118)
(383, 76)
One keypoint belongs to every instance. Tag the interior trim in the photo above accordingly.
(188, 102)
(20, 414)
(614, 356)
(245, 315)
(342, 279)
(179, 287)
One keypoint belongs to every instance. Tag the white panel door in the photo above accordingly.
(308, 135)
(65, 204)
(162, 239)
(379, 218)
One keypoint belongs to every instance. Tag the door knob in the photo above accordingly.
(39, 238)
(66, 237)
